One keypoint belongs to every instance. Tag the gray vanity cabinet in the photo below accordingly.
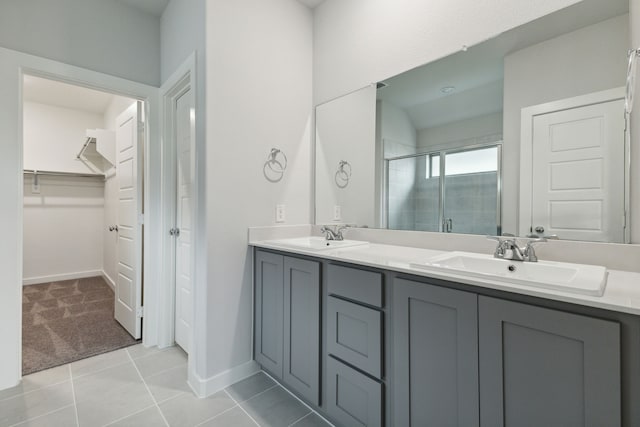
(435, 356)
(542, 367)
(269, 303)
(354, 352)
(287, 321)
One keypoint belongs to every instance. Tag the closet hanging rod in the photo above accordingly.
(52, 173)
(89, 140)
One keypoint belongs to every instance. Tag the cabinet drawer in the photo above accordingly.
(354, 334)
(353, 399)
(358, 285)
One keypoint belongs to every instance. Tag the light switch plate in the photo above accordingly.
(280, 213)
(337, 213)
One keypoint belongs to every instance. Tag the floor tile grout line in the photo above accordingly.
(73, 393)
(298, 399)
(153, 352)
(300, 419)
(240, 406)
(217, 415)
(35, 389)
(164, 371)
(130, 415)
(102, 369)
(257, 394)
(40, 416)
(38, 388)
(148, 389)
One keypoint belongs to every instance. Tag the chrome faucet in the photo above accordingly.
(508, 248)
(333, 233)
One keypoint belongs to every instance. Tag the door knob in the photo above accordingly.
(174, 232)
(539, 229)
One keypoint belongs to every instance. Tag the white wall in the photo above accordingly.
(583, 61)
(358, 42)
(345, 130)
(63, 223)
(259, 70)
(183, 32)
(634, 12)
(459, 134)
(396, 130)
(101, 35)
(62, 229)
(53, 136)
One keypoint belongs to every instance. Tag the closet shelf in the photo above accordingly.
(99, 150)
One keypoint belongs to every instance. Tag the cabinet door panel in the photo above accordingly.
(354, 334)
(268, 311)
(353, 398)
(436, 356)
(302, 327)
(545, 367)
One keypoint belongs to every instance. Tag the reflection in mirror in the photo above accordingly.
(449, 136)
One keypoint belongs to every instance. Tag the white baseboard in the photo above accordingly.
(109, 280)
(207, 387)
(59, 277)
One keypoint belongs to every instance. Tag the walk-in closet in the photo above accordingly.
(75, 247)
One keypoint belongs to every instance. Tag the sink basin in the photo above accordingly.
(574, 278)
(316, 243)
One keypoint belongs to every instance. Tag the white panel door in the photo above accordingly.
(128, 299)
(185, 134)
(578, 172)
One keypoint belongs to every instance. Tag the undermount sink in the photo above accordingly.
(574, 278)
(317, 243)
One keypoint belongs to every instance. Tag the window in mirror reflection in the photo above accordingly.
(466, 201)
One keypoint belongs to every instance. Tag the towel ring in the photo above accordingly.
(277, 166)
(343, 174)
(631, 80)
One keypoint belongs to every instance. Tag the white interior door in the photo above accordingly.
(578, 172)
(128, 298)
(185, 134)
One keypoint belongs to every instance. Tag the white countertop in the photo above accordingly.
(622, 292)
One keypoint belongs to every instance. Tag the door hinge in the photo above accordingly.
(141, 219)
(141, 126)
(140, 312)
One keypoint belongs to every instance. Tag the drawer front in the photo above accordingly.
(353, 399)
(354, 334)
(358, 285)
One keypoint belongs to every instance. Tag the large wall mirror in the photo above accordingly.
(522, 134)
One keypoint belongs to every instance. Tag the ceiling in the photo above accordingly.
(60, 94)
(153, 7)
(474, 71)
(311, 3)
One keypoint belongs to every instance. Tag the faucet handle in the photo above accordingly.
(529, 251)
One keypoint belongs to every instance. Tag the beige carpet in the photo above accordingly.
(67, 321)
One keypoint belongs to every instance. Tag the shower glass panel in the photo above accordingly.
(470, 191)
(449, 191)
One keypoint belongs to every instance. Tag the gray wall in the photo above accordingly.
(100, 35)
(587, 60)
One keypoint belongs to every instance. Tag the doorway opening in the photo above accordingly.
(83, 186)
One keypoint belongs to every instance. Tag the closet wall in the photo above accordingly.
(66, 219)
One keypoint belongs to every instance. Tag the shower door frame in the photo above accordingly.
(442, 185)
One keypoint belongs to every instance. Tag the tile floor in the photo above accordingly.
(140, 387)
